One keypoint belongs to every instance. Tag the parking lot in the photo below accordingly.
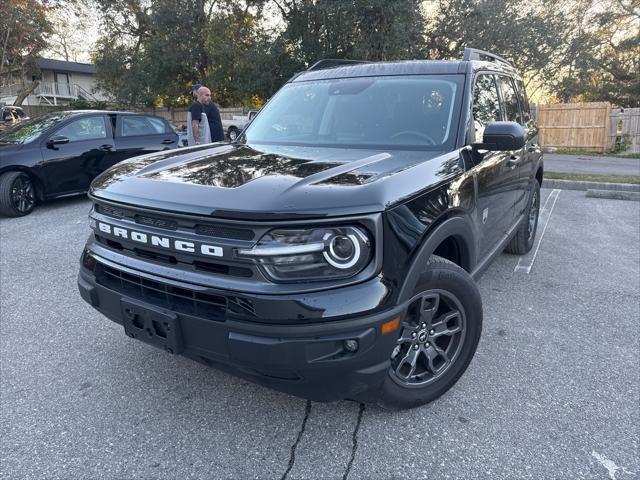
(553, 391)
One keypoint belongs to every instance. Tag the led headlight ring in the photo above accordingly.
(335, 260)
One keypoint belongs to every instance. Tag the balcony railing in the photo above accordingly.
(57, 89)
(49, 92)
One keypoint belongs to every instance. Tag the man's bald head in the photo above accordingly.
(204, 95)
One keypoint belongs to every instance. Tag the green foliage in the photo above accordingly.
(24, 27)
(151, 51)
(606, 65)
(155, 52)
(360, 29)
(522, 32)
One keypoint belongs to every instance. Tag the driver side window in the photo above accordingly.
(486, 106)
(89, 128)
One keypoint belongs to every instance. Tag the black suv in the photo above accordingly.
(330, 251)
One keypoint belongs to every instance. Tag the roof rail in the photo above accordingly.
(475, 54)
(332, 63)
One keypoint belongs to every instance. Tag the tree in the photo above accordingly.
(528, 34)
(24, 28)
(359, 29)
(153, 52)
(608, 69)
(70, 23)
(577, 50)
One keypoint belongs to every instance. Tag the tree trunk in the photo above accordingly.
(25, 91)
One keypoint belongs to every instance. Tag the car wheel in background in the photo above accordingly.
(233, 133)
(17, 194)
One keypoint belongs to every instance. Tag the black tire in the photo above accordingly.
(443, 285)
(525, 235)
(17, 194)
(233, 133)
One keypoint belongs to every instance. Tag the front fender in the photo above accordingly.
(458, 227)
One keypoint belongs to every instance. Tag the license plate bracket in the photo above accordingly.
(157, 327)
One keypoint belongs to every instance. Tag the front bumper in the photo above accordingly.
(310, 360)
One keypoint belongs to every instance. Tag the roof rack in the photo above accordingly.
(332, 63)
(475, 54)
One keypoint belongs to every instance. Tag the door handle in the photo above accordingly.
(105, 148)
(513, 161)
(533, 147)
(168, 141)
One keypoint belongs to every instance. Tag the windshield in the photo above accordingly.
(28, 130)
(409, 112)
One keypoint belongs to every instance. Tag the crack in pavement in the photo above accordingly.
(354, 445)
(292, 456)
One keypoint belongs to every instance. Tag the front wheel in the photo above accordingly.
(233, 133)
(438, 337)
(17, 194)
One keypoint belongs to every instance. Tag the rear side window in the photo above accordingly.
(486, 106)
(89, 128)
(510, 100)
(133, 126)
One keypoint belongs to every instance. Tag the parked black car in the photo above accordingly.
(59, 154)
(331, 251)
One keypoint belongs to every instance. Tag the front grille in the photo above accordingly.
(177, 299)
(157, 222)
(111, 211)
(218, 230)
(222, 231)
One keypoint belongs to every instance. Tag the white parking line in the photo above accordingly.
(526, 261)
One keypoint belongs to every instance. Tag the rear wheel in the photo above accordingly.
(522, 241)
(438, 337)
(17, 194)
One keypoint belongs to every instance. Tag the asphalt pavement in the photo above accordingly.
(553, 391)
(591, 165)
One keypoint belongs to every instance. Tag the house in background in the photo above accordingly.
(60, 82)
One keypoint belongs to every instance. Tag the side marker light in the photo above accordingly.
(390, 326)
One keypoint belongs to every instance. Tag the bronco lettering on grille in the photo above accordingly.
(160, 241)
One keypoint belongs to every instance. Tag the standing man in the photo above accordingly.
(197, 108)
(204, 104)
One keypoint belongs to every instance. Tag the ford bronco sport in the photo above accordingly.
(331, 250)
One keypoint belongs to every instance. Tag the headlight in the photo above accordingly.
(311, 254)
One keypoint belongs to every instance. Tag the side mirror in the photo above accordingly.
(502, 136)
(57, 140)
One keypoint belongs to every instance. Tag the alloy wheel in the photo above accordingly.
(23, 194)
(432, 335)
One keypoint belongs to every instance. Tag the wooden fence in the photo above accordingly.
(575, 125)
(624, 130)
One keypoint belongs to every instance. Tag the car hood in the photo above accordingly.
(258, 181)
